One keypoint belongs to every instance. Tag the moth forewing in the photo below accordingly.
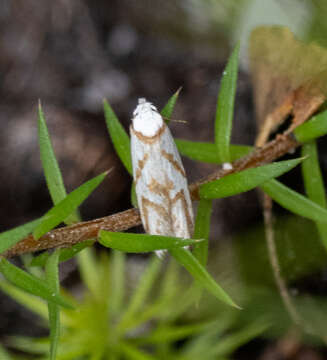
(160, 181)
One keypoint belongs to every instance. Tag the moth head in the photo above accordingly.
(146, 118)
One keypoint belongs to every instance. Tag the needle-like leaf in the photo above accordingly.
(193, 266)
(31, 284)
(119, 137)
(245, 180)
(51, 168)
(207, 152)
(139, 243)
(64, 208)
(225, 107)
(52, 278)
(11, 237)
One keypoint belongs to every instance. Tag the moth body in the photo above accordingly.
(160, 181)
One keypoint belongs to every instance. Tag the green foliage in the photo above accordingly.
(245, 180)
(140, 243)
(144, 243)
(168, 109)
(225, 107)
(207, 152)
(202, 230)
(11, 237)
(294, 202)
(65, 207)
(52, 277)
(51, 168)
(4, 355)
(193, 266)
(312, 129)
(31, 283)
(313, 183)
(148, 321)
(124, 319)
(65, 253)
(118, 136)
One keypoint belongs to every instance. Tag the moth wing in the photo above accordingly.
(180, 200)
(147, 168)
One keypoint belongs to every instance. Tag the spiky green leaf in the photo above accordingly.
(294, 202)
(245, 180)
(225, 107)
(65, 254)
(207, 152)
(140, 243)
(64, 208)
(11, 237)
(52, 278)
(313, 183)
(119, 137)
(313, 128)
(193, 266)
(51, 168)
(202, 230)
(31, 284)
(168, 109)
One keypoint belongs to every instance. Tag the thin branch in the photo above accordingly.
(280, 282)
(70, 235)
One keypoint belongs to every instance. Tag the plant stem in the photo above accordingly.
(70, 235)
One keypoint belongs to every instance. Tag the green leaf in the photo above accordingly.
(133, 353)
(65, 254)
(313, 183)
(65, 207)
(168, 109)
(312, 129)
(30, 302)
(87, 262)
(119, 137)
(4, 355)
(140, 243)
(118, 281)
(11, 237)
(193, 266)
(202, 230)
(207, 152)
(293, 201)
(52, 278)
(141, 293)
(31, 284)
(168, 333)
(50, 166)
(232, 342)
(225, 107)
(245, 180)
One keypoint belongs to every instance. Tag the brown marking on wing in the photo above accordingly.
(159, 209)
(140, 166)
(170, 157)
(181, 196)
(149, 139)
(160, 189)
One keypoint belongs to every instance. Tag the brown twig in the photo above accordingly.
(271, 245)
(70, 235)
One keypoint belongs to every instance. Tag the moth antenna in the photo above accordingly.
(175, 120)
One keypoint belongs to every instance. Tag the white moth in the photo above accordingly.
(160, 181)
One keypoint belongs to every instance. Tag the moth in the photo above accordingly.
(160, 181)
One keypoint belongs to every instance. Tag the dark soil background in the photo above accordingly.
(73, 54)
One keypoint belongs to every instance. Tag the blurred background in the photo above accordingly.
(71, 55)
